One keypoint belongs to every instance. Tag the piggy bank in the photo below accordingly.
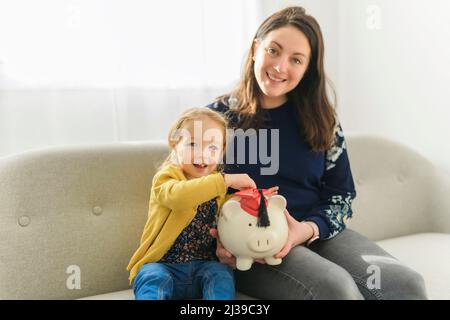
(253, 226)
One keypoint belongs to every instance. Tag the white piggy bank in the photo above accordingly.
(240, 234)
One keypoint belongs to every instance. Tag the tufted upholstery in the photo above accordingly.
(83, 208)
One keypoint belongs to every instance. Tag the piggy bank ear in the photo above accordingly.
(229, 208)
(278, 202)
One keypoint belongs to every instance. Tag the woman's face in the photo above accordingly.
(280, 61)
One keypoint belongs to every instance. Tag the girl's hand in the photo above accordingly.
(239, 181)
(298, 233)
(223, 254)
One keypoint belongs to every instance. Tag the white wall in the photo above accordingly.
(394, 72)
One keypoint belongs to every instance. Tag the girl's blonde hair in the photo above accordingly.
(192, 115)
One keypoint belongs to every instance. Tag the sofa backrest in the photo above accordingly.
(73, 211)
(71, 217)
(394, 186)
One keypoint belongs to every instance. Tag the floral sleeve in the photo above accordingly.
(337, 190)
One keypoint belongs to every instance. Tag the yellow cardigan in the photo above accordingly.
(173, 204)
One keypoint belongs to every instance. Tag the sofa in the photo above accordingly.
(71, 217)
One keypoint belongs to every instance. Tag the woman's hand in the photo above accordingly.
(239, 181)
(223, 254)
(271, 191)
(298, 233)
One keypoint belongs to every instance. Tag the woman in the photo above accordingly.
(282, 94)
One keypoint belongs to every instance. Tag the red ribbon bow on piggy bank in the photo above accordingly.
(254, 202)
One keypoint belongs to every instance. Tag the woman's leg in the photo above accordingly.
(302, 275)
(153, 282)
(377, 274)
(216, 280)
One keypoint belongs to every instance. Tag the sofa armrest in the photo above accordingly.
(440, 204)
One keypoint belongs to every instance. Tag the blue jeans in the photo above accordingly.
(210, 280)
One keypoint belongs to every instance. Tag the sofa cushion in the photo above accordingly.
(429, 255)
(128, 295)
(118, 295)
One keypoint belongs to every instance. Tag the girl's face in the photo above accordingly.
(200, 147)
(281, 59)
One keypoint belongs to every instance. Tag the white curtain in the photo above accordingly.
(92, 71)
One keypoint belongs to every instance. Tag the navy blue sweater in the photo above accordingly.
(318, 186)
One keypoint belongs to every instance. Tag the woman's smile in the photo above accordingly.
(274, 78)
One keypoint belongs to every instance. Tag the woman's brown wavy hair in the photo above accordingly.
(316, 115)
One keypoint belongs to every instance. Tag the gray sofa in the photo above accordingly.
(71, 217)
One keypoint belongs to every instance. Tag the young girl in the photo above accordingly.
(176, 258)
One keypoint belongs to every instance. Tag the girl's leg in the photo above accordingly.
(153, 282)
(377, 274)
(216, 280)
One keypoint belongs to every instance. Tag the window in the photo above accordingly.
(104, 43)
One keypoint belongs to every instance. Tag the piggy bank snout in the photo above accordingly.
(261, 242)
